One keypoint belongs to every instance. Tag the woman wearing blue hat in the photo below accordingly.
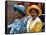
(20, 23)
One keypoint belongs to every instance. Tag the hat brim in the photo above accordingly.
(35, 7)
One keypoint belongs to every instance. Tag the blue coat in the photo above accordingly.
(19, 26)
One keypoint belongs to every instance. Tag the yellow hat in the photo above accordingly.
(35, 7)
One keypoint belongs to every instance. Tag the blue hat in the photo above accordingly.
(20, 8)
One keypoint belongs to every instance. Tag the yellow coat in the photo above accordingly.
(37, 27)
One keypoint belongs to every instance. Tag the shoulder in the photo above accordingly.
(39, 23)
(27, 17)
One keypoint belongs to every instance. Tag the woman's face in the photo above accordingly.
(17, 14)
(33, 13)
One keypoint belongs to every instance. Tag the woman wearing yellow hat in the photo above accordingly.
(35, 23)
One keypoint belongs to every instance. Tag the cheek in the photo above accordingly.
(16, 14)
(33, 14)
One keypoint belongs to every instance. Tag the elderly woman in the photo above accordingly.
(35, 23)
(20, 23)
